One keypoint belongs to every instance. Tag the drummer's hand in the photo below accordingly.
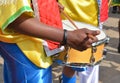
(79, 39)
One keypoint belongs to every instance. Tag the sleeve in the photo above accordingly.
(11, 11)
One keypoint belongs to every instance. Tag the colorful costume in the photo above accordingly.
(86, 11)
(25, 60)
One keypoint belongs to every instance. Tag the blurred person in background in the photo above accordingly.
(116, 6)
(94, 12)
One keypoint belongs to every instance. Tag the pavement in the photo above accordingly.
(109, 67)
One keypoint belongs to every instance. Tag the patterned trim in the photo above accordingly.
(16, 15)
(36, 11)
(6, 2)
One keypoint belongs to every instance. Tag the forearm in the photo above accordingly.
(32, 27)
(77, 39)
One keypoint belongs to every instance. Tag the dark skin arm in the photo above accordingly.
(32, 27)
(77, 39)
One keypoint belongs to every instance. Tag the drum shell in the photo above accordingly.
(82, 57)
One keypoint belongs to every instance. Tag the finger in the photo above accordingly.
(90, 36)
(87, 43)
(81, 48)
(94, 38)
(94, 33)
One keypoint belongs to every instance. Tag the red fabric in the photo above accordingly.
(49, 14)
(104, 11)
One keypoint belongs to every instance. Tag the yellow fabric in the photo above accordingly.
(31, 47)
(81, 10)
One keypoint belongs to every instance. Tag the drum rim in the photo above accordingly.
(85, 25)
(79, 65)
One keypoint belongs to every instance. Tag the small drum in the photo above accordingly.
(91, 56)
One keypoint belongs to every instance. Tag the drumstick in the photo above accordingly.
(69, 19)
(89, 35)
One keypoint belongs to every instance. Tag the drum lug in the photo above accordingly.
(107, 41)
(92, 59)
(104, 52)
(94, 49)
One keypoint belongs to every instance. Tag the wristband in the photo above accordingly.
(64, 41)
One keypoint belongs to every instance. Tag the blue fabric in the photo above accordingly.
(79, 69)
(60, 62)
(18, 69)
(66, 79)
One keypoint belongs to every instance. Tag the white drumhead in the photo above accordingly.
(69, 26)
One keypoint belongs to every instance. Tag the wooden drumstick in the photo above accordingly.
(69, 19)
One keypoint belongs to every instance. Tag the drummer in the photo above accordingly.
(22, 33)
(87, 13)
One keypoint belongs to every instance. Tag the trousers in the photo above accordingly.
(18, 69)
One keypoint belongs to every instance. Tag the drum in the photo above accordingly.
(91, 56)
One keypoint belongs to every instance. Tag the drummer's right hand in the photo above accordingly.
(79, 39)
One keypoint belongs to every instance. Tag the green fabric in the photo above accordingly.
(16, 15)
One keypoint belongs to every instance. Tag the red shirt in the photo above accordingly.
(50, 15)
(104, 11)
